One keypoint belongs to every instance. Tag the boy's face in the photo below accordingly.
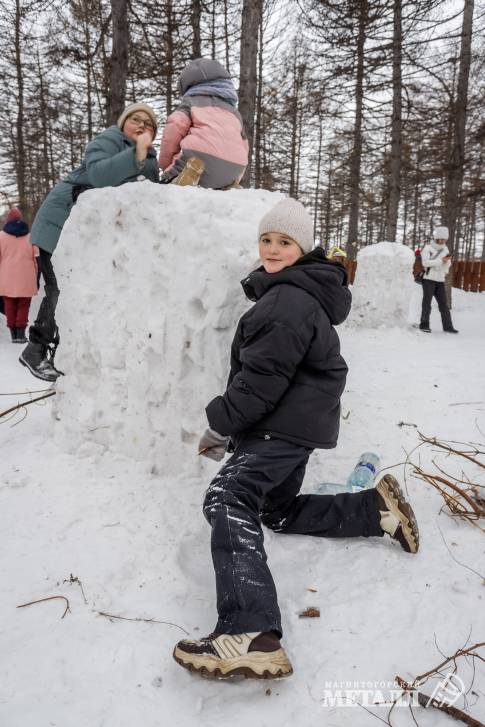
(278, 251)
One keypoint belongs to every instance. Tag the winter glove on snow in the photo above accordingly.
(213, 445)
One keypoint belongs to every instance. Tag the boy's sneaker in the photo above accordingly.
(255, 655)
(34, 357)
(397, 516)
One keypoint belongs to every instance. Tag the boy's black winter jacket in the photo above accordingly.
(287, 374)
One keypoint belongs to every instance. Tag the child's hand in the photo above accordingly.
(446, 258)
(143, 143)
(213, 445)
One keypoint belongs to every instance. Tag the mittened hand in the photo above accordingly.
(213, 445)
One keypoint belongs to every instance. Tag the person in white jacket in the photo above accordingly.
(436, 263)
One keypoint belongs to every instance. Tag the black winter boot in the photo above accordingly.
(13, 334)
(20, 335)
(34, 357)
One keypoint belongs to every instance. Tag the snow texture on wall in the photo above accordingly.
(150, 295)
(383, 286)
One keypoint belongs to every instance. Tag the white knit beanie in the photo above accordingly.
(440, 233)
(289, 217)
(132, 109)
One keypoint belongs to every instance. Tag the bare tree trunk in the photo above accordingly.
(119, 60)
(355, 159)
(299, 143)
(250, 21)
(196, 15)
(89, 90)
(483, 238)
(44, 181)
(19, 125)
(328, 204)
(317, 185)
(405, 210)
(169, 56)
(453, 201)
(396, 128)
(259, 112)
(226, 34)
(294, 132)
(106, 68)
(415, 241)
(213, 29)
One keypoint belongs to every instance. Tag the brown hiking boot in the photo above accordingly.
(397, 516)
(191, 173)
(255, 655)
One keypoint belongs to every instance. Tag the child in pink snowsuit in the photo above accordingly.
(206, 125)
(18, 273)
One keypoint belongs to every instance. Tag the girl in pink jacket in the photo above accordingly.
(18, 273)
(206, 125)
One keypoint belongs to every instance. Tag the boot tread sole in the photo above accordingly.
(34, 372)
(222, 670)
(394, 498)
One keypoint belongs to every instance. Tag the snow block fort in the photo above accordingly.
(150, 296)
(383, 286)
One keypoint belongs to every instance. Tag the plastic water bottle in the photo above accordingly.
(361, 478)
(364, 472)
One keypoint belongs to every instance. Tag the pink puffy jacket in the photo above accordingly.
(18, 266)
(211, 129)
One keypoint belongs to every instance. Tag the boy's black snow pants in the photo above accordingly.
(44, 330)
(260, 484)
(432, 288)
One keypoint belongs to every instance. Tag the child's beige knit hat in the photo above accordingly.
(289, 217)
(133, 108)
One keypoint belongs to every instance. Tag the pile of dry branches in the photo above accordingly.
(463, 497)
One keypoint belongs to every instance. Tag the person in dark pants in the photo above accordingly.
(436, 262)
(282, 401)
(44, 331)
(120, 154)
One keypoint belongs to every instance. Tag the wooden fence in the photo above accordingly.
(465, 274)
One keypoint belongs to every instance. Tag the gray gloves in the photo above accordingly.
(213, 445)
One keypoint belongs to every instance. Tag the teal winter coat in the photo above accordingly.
(109, 161)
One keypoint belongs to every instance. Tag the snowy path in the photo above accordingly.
(140, 547)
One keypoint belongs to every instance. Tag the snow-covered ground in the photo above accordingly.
(79, 504)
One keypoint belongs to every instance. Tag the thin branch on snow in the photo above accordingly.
(457, 500)
(145, 620)
(446, 446)
(75, 579)
(460, 652)
(23, 404)
(463, 565)
(49, 598)
(426, 702)
(24, 393)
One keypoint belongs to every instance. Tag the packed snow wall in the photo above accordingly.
(150, 295)
(383, 286)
